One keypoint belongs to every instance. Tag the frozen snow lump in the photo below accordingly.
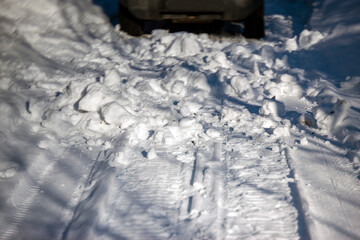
(115, 114)
(242, 87)
(286, 87)
(187, 45)
(271, 107)
(95, 96)
(309, 38)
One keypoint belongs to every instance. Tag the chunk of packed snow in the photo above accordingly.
(187, 46)
(119, 159)
(213, 133)
(190, 108)
(95, 96)
(291, 44)
(271, 107)
(286, 87)
(151, 154)
(304, 141)
(115, 114)
(112, 77)
(309, 38)
(242, 87)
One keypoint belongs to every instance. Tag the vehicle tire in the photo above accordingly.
(129, 23)
(254, 24)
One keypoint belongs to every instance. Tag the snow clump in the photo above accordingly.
(286, 87)
(242, 87)
(116, 114)
(309, 38)
(95, 96)
(271, 107)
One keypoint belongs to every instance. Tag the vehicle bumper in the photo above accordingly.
(192, 10)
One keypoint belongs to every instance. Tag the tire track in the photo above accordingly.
(30, 185)
(79, 197)
(260, 201)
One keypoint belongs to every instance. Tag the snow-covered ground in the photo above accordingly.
(179, 135)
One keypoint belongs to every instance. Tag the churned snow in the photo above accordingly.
(179, 135)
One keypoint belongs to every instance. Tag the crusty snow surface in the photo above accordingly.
(179, 135)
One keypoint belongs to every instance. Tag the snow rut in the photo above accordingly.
(259, 198)
(232, 189)
(24, 196)
(148, 202)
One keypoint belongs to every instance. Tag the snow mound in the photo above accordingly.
(176, 135)
(96, 95)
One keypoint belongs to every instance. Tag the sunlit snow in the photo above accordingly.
(179, 135)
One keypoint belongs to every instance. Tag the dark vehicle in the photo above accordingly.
(134, 13)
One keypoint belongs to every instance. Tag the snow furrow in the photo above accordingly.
(264, 191)
(24, 196)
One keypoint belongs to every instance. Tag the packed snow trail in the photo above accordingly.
(172, 136)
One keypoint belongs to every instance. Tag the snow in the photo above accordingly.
(179, 135)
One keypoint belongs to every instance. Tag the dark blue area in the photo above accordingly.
(110, 8)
